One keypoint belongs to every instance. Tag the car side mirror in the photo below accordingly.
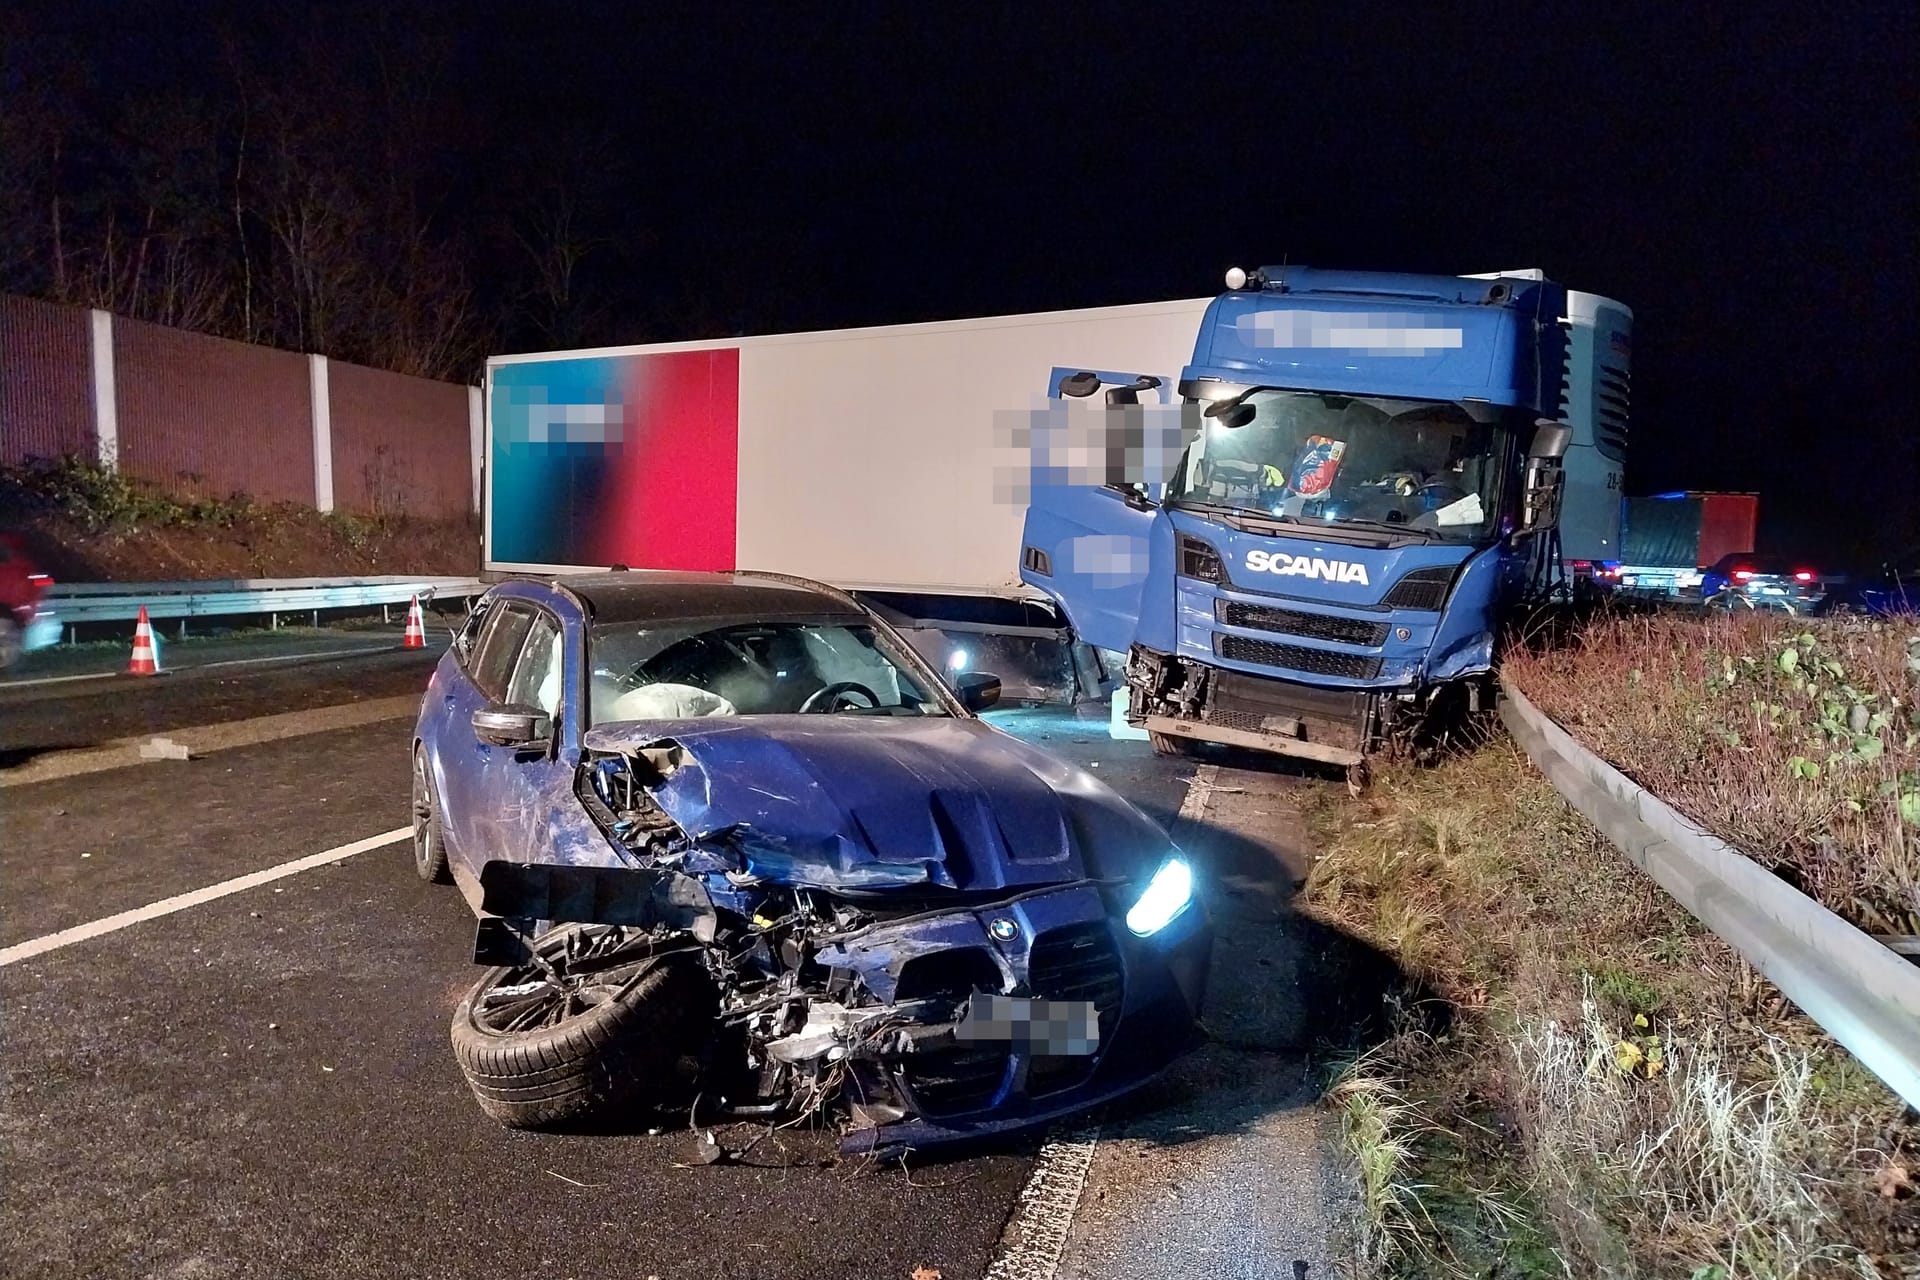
(977, 690)
(515, 725)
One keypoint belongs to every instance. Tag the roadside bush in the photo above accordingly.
(1796, 741)
(91, 523)
(1616, 1092)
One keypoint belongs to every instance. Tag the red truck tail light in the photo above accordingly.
(1805, 575)
(1742, 575)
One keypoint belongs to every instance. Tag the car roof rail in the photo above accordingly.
(795, 580)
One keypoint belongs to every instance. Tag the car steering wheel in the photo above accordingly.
(829, 697)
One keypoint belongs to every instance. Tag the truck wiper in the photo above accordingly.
(1215, 508)
(1388, 526)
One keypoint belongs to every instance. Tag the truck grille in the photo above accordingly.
(1076, 963)
(1349, 666)
(1317, 626)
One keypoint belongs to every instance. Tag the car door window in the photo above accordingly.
(466, 640)
(536, 677)
(501, 637)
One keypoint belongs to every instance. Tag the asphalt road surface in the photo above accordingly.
(260, 1085)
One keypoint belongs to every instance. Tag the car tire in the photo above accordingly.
(1168, 744)
(12, 641)
(429, 837)
(637, 1043)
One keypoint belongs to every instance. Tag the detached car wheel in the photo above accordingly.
(429, 845)
(599, 1024)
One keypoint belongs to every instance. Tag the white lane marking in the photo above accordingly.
(180, 902)
(1036, 1234)
(209, 666)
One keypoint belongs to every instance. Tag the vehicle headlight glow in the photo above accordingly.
(1166, 896)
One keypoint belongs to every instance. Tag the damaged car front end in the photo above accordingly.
(931, 962)
(731, 840)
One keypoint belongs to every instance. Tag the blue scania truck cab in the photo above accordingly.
(1372, 469)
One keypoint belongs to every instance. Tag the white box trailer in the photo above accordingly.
(866, 458)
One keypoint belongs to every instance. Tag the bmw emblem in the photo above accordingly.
(1004, 929)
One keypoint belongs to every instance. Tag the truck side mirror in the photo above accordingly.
(1550, 440)
(1080, 385)
(1540, 496)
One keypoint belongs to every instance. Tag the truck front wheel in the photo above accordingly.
(1167, 744)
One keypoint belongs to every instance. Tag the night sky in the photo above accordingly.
(1744, 179)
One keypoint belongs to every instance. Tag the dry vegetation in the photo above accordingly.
(1609, 1091)
(86, 524)
(1797, 742)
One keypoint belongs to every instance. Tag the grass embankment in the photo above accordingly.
(86, 524)
(1614, 1092)
(1796, 742)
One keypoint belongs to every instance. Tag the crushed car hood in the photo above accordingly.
(853, 802)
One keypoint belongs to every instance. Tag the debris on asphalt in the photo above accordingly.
(707, 1150)
(158, 748)
(584, 1186)
(923, 1272)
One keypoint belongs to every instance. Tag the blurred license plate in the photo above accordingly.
(1041, 1026)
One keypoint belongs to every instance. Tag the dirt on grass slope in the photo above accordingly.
(82, 524)
(1611, 1091)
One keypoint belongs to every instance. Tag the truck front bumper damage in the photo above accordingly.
(1185, 699)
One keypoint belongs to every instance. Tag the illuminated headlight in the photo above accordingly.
(1167, 895)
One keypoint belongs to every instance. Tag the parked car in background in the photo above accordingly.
(1744, 580)
(729, 833)
(1892, 592)
(25, 622)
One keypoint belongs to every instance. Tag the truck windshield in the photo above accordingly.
(1429, 465)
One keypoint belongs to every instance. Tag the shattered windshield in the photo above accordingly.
(1428, 466)
(646, 672)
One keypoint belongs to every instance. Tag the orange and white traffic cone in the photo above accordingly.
(146, 655)
(416, 637)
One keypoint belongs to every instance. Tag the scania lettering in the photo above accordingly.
(1370, 471)
(1331, 570)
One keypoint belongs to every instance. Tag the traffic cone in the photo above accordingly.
(416, 637)
(146, 655)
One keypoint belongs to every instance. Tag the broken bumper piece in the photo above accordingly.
(1026, 1062)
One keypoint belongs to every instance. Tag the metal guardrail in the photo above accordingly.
(1862, 993)
(122, 601)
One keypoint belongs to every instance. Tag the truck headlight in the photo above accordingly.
(1166, 896)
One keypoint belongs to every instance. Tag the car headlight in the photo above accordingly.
(1166, 896)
